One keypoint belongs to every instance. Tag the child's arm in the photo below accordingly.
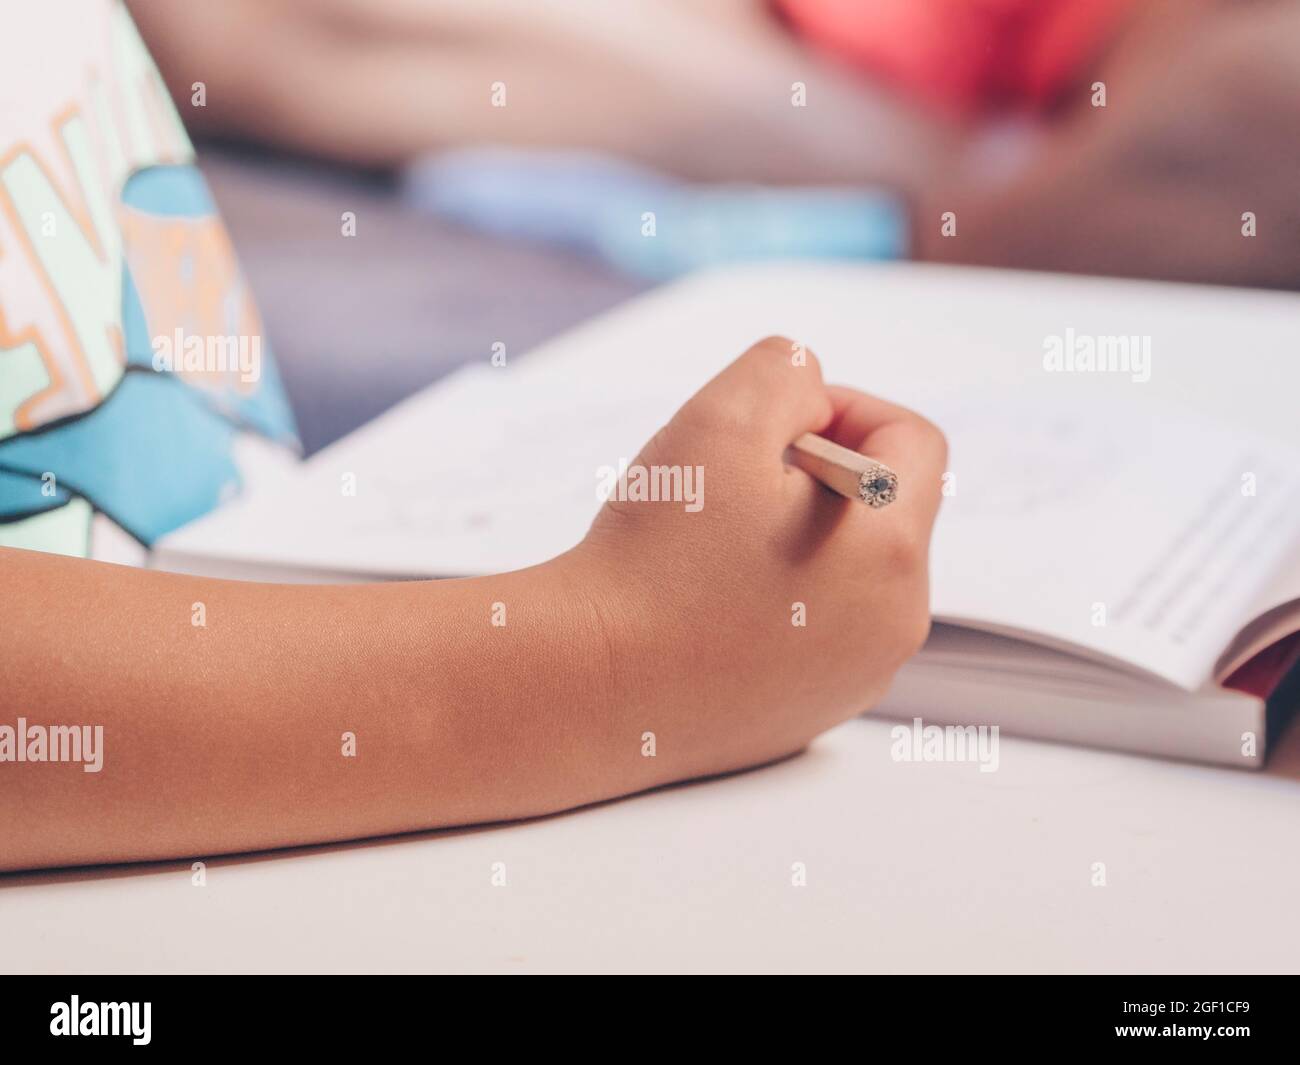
(229, 736)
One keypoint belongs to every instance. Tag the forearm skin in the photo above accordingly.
(229, 736)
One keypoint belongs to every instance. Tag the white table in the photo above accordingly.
(910, 867)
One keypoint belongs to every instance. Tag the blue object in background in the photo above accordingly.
(601, 205)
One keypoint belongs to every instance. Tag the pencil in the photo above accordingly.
(852, 475)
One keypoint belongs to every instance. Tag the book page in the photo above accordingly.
(1147, 537)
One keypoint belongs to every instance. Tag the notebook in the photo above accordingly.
(1117, 558)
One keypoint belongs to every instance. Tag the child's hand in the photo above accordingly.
(740, 630)
(734, 632)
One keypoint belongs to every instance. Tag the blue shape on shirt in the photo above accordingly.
(169, 191)
(152, 455)
(21, 496)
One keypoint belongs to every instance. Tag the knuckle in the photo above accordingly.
(774, 345)
(904, 554)
(781, 352)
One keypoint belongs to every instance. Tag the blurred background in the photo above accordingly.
(503, 161)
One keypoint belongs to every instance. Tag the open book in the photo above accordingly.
(1118, 553)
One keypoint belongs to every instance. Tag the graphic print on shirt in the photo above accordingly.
(131, 352)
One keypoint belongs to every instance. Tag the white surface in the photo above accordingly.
(911, 867)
